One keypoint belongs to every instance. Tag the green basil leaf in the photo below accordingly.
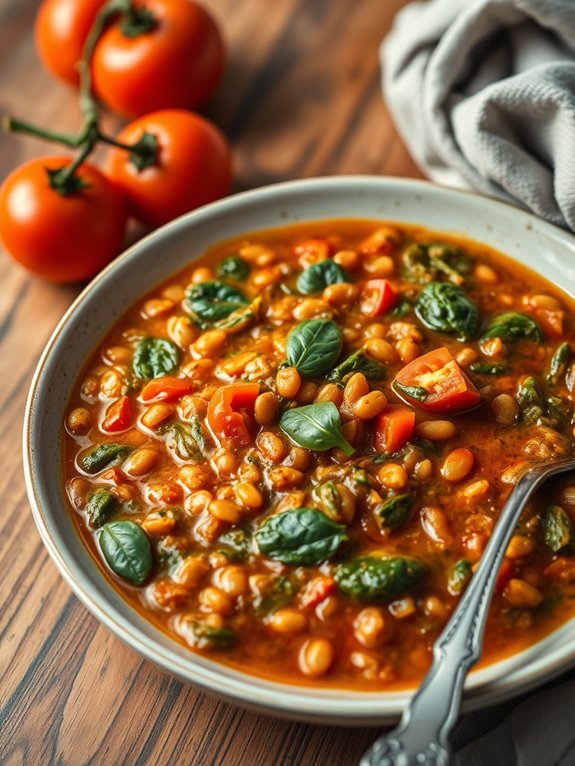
(402, 309)
(484, 368)
(358, 362)
(234, 267)
(102, 456)
(154, 357)
(314, 346)
(459, 576)
(187, 440)
(100, 506)
(427, 262)
(393, 512)
(512, 326)
(211, 301)
(242, 319)
(411, 392)
(320, 275)
(300, 536)
(373, 578)
(557, 529)
(444, 307)
(127, 550)
(558, 364)
(315, 426)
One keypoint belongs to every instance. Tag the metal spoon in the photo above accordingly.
(422, 735)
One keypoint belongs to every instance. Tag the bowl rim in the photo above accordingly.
(292, 701)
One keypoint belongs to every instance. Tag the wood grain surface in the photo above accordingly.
(301, 98)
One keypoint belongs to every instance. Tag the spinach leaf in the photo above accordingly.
(314, 346)
(319, 275)
(100, 506)
(412, 392)
(300, 536)
(315, 426)
(393, 512)
(358, 362)
(512, 326)
(373, 578)
(537, 409)
(237, 544)
(558, 529)
(279, 594)
(102, 456)
(233, 267)
(558, 364)
(426, 262)
(154, 357)
(459, 577)
(202, 636)
(402, 309)
(445, 307)
(241, 319)
(127, 550)
(187, 440)
(484, 368)
(210, 301)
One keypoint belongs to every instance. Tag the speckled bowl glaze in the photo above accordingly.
(522, 236)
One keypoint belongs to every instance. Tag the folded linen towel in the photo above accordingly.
(483, 94)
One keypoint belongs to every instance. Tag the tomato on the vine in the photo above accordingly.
(168, 54)
(61, 237)
(192, 165)
(61, 29)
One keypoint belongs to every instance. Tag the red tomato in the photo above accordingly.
(315, 591)
(119, 415)
(176, 64)
(393, 428)
(439, 384)
(192, 169)
(377, 297)
(63, 238)
(227, 414)
(167, 389)
(62, 27)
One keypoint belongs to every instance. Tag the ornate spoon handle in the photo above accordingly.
(422, 736)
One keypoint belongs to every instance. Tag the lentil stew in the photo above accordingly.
(291, 455)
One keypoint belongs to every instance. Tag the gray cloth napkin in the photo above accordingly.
(483, 94)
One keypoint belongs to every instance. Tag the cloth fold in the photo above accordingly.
(483, 94)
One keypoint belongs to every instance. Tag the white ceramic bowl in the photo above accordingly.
(539, 245)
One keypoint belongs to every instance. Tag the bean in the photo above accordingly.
(174, 293)
(381, 350)
(382, 266)
(423, 471)
(112, 384)
(369, 627)
(307, 393)
(405, 330)
(232, 580)
(119, 355)
(436, 525)
(299, 458)
(370, 406)
(266, 408)
(393, 476)
(310, 308)
(436, 430)
(190, 571)
(237, 363)
(330, 392)
(159, 525)
(249, 472)
(141, 461)
(202, 274)
(458, 465)
(316, 657)
(195, 477)
(157, 307)
(408, 350)
(251, 253)
(403, 608)
(386, 239)
(356, 387)
(288, 382)
(266, 277)
(225, 461)
(348, 259)
(353, 431)
(287, 621)
(375, 330)
(520, 546)
(215, 600)
(475, 491)
(79, 421)
(350, 334)
(282, 478)
(542, 301)
(210, 343)
(155, 414)
(435, 608)
(271, 446)
(198, 502)
(167, 492)
(249, 495)
(342, 294)
(466, 357)
(225, 510)
(505, 409)
(485, 274)
(521, 593)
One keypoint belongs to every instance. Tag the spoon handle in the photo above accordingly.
(422, 736)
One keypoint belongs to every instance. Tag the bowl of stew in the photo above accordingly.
(267, 446)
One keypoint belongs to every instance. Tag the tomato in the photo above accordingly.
(393, 428)
(377, 297)
(193, 166)
(177, 63)
(227, 416)
(62, 27)
(167, 389)
(315, 591)
(435, 382)
(62, 238)
(312, 251)
(119, 416)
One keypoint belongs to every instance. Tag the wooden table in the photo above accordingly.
(301, 98)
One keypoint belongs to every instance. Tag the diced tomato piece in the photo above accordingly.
(315, 591)
(230, 412)
(435, 382)
(167, 389)
(119, 416)
(393, 428)
(312, 251)
(561, 570)
(551, 321)
(383, 241)
(377, 297)
(506, 572)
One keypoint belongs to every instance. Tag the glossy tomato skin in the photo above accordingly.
(61, 238)
(176, 64)
(61, 29)
(193, 167)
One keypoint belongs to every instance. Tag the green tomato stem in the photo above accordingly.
(15, 125)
